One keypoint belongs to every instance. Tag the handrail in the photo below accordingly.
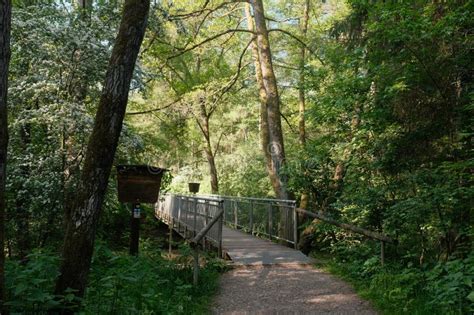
(206, 229)
(185, 213)
(378, 236)
(250, 198)
(198, 197)
(350, 227)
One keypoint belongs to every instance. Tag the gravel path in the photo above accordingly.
(289, 289)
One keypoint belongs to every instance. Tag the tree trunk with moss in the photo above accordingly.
(86, 208)
(275, 146)
(203, 123)
(5, 30)
(264, 135)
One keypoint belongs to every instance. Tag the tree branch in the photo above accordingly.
(218, 144)
(185, 50)
(234, 79)
(155, 109)
(289, 125)
(199, 12)
(298, 40)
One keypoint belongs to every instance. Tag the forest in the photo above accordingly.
(359, 110)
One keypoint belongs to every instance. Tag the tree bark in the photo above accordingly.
(86, 209)
(5, 30)
(301, 89)
(210, 155)
(264, 135)
(275, 145)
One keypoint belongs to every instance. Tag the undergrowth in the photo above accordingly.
(442, 288)
(118, 283)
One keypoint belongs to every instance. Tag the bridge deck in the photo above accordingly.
(245, 249)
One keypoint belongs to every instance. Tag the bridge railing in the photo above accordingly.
(271, 218)
(191, 214)
(195, 217)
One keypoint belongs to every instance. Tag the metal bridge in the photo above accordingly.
(248, 231)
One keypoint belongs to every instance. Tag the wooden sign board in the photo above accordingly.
(139, 183)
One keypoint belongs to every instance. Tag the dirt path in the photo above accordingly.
(286, 289)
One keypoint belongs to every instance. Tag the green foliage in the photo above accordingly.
(30, 285)
(404, 289)
(389, 102)
(146, 284)
(390, 107)
(451, 285)
(118, 284)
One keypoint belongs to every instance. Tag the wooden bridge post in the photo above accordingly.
(135, 229)
(195, 217)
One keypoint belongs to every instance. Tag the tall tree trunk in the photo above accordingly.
(301, 89)
(212, 167)
(82, 224)
(210, 156)
(264, 134)
(5, 29)
(276, 145)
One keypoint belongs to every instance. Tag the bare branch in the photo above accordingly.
(218, 144)
(282, 20)
(234, 79)
(289, 125)
(298, 40)
(185, 50)
(155, 109)
(199, 12)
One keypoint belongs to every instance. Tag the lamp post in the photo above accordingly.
(138, 184)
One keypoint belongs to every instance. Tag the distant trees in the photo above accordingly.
(86, 208)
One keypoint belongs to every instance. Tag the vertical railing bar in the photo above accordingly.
(236, 218)
(251, 217)
(295, 227)
(195, 217)
(270, 220)
(170, 239)
(224, 214)
(219, 233)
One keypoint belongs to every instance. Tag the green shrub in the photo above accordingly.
(118, 283)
